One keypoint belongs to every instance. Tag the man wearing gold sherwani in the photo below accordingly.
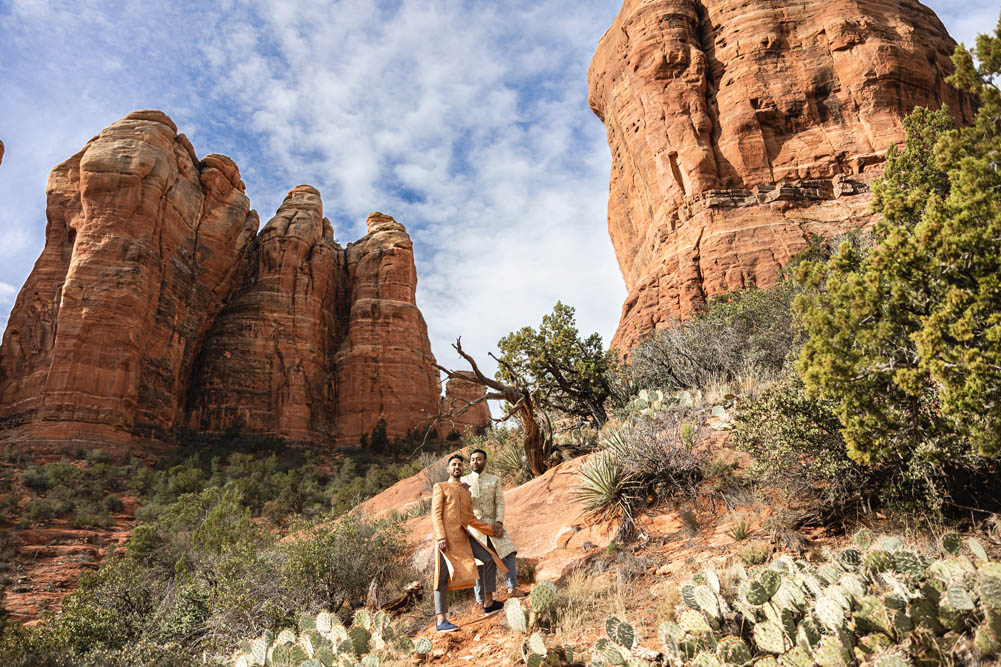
(461, 558)
(488, 506)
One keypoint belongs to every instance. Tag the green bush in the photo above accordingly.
(749, 332)
(796, 445)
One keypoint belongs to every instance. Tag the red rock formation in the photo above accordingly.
(738, 128)
(1, 152)
(143, 244)
(320, 342)
(460, 392)
(121, 331)
(385, 364)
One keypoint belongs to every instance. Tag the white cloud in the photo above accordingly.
(467, 121)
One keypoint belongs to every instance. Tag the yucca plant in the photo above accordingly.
(607, 491)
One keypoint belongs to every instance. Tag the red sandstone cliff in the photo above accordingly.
(154, 306)
(143, 245)
(739, 128)
(460, 393)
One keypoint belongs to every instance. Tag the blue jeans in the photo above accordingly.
(510, 579)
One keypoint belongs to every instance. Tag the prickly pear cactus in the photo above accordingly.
(542, 596)
(422, 646)
(516, 616)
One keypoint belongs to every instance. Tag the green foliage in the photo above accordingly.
(506, 449)
(749, 332)
(568, 373)
(796, 444)
(906, 340)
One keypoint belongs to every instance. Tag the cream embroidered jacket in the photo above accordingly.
(488, 506)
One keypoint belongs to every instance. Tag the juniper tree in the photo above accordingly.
(906, 337)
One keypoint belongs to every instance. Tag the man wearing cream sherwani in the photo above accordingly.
(488, 506)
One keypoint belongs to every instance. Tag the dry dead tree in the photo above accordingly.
(537, 438)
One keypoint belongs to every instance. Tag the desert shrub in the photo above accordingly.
(35, 478)
(38, 510)
(435, 470)
(796, 444)
(749, 332)
(506, 452)
(335, 564)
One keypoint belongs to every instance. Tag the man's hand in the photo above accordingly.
(498, 529)
(443, 544)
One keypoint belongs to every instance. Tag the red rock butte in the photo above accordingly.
(155, 305)
(738, 128)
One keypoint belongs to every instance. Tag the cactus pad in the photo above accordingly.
(986, 641)
(422, 646)
(990, 591)
(863, 538)
(362, 619)
(831, 653)
(371, 661)
(694, 622)
(830, 613)
(891, 661)
(768, 636)
(297, 654)
(958, 598)
(761, 589)
(952, 618)
(259, 651)
(613, 657)
(612, 627)
(951, 543)
(733, 651)
(708, 602)
(688, 595)
(849, 559)
(878, 561)
(516, 616)
(625, 635)
(797, 657)
(542, 596)
(670, 634)
(807, 635)
(359, 637)
(908, 563)
(852, 586)
(325, 656)
(534, 660)
(828, 573)
(977, 549)
(537, 644)
(705, 660)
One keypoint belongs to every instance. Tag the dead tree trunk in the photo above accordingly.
(537, 441)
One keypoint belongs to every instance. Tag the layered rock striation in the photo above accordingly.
(738, 129)
(155, 306)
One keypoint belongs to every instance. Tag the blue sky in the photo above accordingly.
(466, 120)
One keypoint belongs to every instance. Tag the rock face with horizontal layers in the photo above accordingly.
(739, 128)
(143, 246)
(155, 306)
(461, 392)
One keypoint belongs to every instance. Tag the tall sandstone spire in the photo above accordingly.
(738, 128)
(156, 306)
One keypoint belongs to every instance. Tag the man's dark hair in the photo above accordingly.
(455, 456)
(478, 451)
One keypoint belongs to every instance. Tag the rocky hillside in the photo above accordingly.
(737, 129)
(155, 305)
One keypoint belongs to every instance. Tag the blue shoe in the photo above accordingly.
(493, 608)
(445, 626)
